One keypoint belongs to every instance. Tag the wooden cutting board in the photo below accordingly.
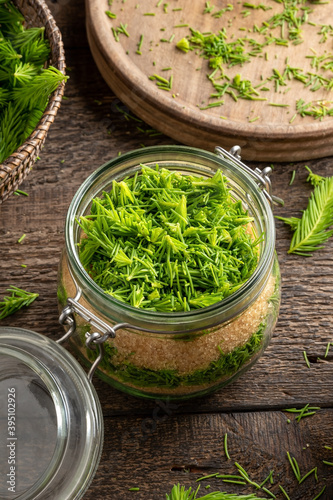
(265, 132)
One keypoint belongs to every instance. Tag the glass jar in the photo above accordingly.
(172, 355)
(51, 421)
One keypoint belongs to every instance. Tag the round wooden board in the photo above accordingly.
(264, 132)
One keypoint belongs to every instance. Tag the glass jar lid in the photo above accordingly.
(51, 423)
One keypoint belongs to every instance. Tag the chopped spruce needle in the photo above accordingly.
(319, 494)
(161, 82)
(21, 238)
(110, 14)
(245, 476)
(318, 110)
(164, 241)
(268, 478)
(139, 46)
(268, 492)
(327, 349)
(256, 118)
(294, 466)
(207, 477)
(134, 489)
(284, 492)
(122, 28)
(306, 411)
(16, 300)
(208, 8)
(306, 359)
(25, 85)
(19, 192)
(297, 472)
(226, 446)
(293, 175)
(220, 12)
(277, 105)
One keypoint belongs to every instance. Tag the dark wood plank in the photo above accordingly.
(155, 454)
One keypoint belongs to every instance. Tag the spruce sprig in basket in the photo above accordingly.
(15, 164)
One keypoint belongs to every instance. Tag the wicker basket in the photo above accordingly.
(15, 169)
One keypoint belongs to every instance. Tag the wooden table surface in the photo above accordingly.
(154, 449)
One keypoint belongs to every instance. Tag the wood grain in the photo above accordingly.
(272, 137)
(89, 130)
(155, 454)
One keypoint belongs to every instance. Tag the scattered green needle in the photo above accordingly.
(327, 349)
(110, 14)
(306, 359)
(207, 477)
(18, 298)
(303, 412)
(19, 192)
(284, 492)
(268, 478)
(226, 446)
(21, 238)
(139, 45)
(319, 494)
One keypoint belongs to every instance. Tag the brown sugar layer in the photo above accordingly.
(158, 353)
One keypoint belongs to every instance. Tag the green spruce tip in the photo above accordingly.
(17, 299)
(21, 115)
(311, 231)
(11, 19)
(25, 84)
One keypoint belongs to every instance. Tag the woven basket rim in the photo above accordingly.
(19, 163)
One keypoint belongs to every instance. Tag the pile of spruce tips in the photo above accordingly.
(167, 242)
(25, 83)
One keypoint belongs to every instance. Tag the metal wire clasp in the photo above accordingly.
(260, 176)
(93, 340)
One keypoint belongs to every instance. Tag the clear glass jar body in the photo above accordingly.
(175, 355)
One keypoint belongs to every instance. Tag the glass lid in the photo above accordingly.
(51, 423)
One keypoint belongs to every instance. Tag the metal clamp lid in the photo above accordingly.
(260, 176)
(95, 339)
